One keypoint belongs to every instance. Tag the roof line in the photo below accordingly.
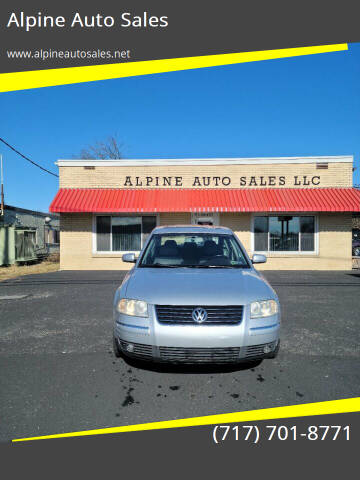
(203, 161)
(26, 210)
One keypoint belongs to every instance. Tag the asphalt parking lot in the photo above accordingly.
(58, 373)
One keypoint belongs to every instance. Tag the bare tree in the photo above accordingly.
(109, 149)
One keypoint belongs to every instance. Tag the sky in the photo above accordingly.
(306, 105)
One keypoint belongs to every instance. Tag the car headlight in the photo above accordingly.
(138, 308)
(264, 308)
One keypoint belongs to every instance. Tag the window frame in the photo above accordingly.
(115, 214)
(286, 252)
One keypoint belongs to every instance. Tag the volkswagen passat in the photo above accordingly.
(194, 296)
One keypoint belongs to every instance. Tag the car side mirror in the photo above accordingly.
(257, 258)
(129, 258)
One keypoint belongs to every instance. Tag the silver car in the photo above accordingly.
(194, 296)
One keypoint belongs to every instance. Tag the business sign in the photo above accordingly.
(226, 181)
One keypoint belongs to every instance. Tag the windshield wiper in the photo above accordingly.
(159, 265)
(203, 266)
(218, 266)
(230, 266)
(215, 266)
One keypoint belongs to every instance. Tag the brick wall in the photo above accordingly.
(240, 224)
(175, 218)
(337, 175)
(334, 248)
(76, 249)
(334, 243)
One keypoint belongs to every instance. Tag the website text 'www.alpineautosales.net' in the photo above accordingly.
(46, 54)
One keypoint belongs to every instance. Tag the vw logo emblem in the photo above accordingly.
(199, 315)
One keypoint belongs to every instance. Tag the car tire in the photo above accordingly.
(116, 348)
(274, 354)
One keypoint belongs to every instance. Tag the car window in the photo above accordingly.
(200, 250)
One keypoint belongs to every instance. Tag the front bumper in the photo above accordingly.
(196, 355)
(148, 339)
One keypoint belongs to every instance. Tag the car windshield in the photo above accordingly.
(200, 250)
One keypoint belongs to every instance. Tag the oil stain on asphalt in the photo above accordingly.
(129, 399)
(129, 377)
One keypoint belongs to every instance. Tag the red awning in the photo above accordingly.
(106, 200)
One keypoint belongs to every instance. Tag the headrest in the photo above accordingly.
(166, 251)
(170, 243)
(210, 248)
(189, 247)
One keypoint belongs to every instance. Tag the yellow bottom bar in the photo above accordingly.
(303, 410)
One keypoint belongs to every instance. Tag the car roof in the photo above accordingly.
(211, 229)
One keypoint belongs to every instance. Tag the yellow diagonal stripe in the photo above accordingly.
(63, 76)
(303, 410)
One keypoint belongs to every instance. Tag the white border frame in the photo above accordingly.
(117, 214)
(288, 252)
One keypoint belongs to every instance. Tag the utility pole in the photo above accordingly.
(2, 187)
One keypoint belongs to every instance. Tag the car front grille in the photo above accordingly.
(199, 355)
(182, 314)
(194, 355)
(139, 350)
(258, 350)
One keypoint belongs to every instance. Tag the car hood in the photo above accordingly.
(191, 286)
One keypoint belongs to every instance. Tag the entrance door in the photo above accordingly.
(205, 218)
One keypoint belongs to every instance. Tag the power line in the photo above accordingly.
(26, 158)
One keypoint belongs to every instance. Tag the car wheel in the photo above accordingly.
(275, 352)
(356, 252)
(117, 351)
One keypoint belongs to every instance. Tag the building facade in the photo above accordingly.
(298, 210)
(26, 235)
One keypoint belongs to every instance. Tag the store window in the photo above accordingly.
(121, 233)
(285, 233)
